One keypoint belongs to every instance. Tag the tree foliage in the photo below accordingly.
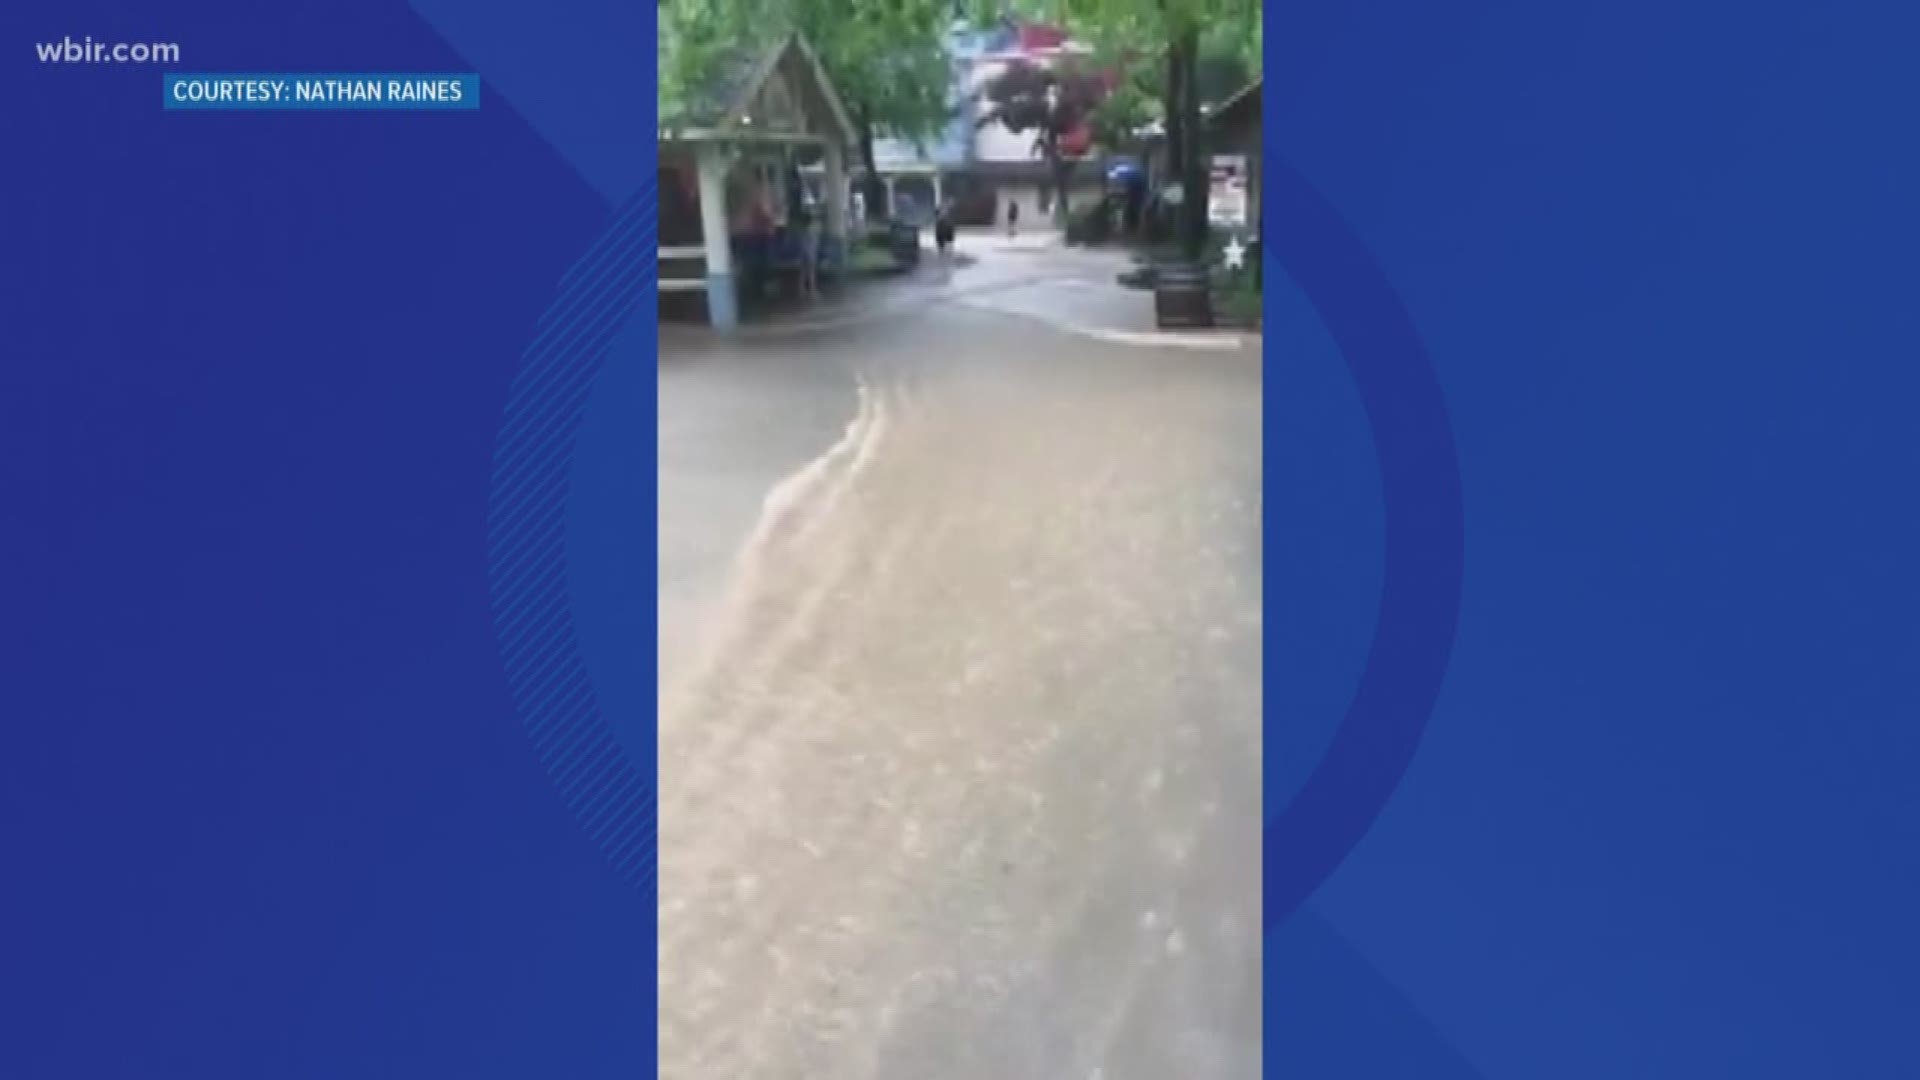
(1130, 27)
(1233, 42)
(1131, 104)
(1050, 102)
(1185, 36)
(887, 58)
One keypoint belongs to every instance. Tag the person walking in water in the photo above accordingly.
(810, 252)
(1013, 218)
(943, 228)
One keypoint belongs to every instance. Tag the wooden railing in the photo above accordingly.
(678, 283)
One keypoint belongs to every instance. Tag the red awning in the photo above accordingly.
(1035, 37)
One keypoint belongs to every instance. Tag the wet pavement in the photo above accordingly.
(960, 716)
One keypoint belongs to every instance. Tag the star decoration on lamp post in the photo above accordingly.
(1234, 254)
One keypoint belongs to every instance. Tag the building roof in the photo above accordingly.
(706, 102)
(723, 104)
(1241, 107)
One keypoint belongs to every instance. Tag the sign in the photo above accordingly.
(1227, 195)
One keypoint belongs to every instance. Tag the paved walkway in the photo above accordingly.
(1022, 275)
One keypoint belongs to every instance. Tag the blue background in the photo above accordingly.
(1663, 821)
(266, 805)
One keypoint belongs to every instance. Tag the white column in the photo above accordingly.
(833, 191)
(723, 308)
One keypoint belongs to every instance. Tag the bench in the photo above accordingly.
(682, 281)
(758, 261)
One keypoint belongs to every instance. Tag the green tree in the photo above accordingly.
(1132, 103)
(1188, 37)
(887, 58)
(1053, 103)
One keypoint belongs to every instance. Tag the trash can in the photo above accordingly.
(1182, 299)
(903, 239)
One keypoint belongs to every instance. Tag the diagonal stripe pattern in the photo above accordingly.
(527, 541)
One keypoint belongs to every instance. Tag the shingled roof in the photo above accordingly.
(723, 100)
(724, 89)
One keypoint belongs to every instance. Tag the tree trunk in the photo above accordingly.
(1175, 123)
(1060, 169)
(1194, 173)
(873, 190)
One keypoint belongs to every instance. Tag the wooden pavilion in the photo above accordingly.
(732, 156)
